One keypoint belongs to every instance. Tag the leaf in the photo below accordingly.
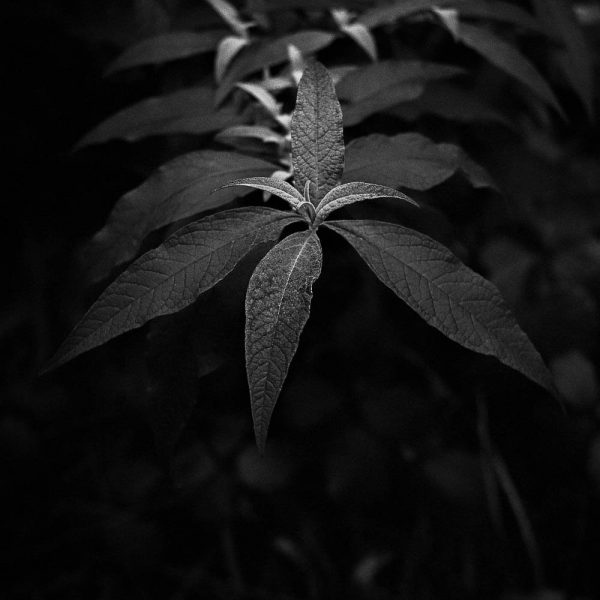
(408, 160)
(357, 191)
(266, 99)
(282, 189)
(385, 84)
(259, 132)
(228, 49)
(170, 277)
(166, 47)
(363, 37)
(230, 15)
(317, 133)
(178, 189)
(509, 59)
(473, 171)
(188, 111)
(277, 308)
(261, 55)
(448, 295)
(575, 59)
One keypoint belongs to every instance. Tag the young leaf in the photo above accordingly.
(444, 292)
(282, 189)
(509, 59)
(172, 276)
(317, 133)
(178, 189)
(166, 47)
(188, 111)
(357, 191)
(277, 308)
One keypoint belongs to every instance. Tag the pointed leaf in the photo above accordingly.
(282, 189)
(363, 37)
(172, 276)
(228, 49)
(188, 111)
(473, 171)
(277, 308)
(317, 133)
(509, 59)
(177, 190)
(166, 47)
(357, 191)
(444, 292)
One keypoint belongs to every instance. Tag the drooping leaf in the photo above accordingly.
(178, 189)
(506, 57)
(277, 308)
(385, 84)
(444, 292)
(166, 47)
(575, 58)
(317, 133)
(278, 187)
(188, 111)
(268, 53)
(356, 191)
(170, 277)
(229, 48)
(405, 160)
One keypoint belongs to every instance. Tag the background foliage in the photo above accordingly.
(400, 465)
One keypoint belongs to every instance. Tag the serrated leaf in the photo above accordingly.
(277, 308)
(228, 49)
(160, 49)
(265, 54)
(170, 277)
(405, 160)
(385, 84)
(317, 133)
(356, 191)
(447, 294)
(280, 188)
(188, 111)
(178, 189)
(506, 57)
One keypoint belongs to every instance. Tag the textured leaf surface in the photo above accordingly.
(277, 308)
(408, 160)
(317, 133)
(170, 277)
(188, 111)
(357, 191)
(179, 189)
(284, 190)
(166, 47)
(444, 292)
(509, 59)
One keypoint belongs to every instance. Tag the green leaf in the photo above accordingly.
(407, 160)
(282, 189)
(277, 308)
(166, 47)
(317, 133)
(509, 59)
(265, 54)
(188, 111)
(170, 277)
(356, 191)
(444, 292)
(177, 190)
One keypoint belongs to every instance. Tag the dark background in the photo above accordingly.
(398, 464)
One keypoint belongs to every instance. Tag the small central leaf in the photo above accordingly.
(317, 134)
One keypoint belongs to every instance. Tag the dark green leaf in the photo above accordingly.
(170, 277)
(444, 292)
(282, 189)
(277, 308)
(179, 189)
(317, 133)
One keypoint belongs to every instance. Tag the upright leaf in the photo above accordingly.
(172, 276)
(317, 133)
(277, 308)
(178, 189)
(444, 292)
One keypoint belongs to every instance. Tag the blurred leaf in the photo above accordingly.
(188, 111)
(447, 294)
(266, 99)
(166, 47)
(363, 37)
(178, 189)
(264, 134)
(477, 176)
(230, 15)
(576, 379)
(229, 47)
